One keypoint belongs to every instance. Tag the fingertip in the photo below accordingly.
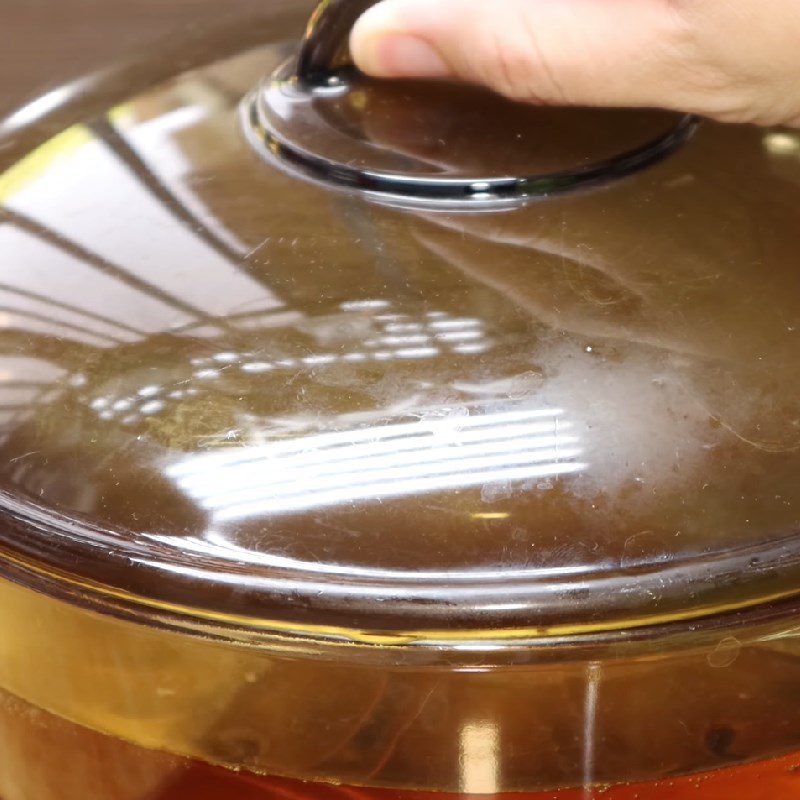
(382, 46)
(368, 35)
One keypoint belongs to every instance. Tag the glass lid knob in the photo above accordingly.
(427, 142)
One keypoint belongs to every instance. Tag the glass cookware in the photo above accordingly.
(372, 440)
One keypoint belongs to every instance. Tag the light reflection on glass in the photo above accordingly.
(362, 305)
(479, 758)
(131, 164)
(136, 163)
(590, 727)
(41, 106)
(417, 352)
(257, 366)
(207, 369)
(378, 462)
(459, 336)
(423, 583)
(18, 398)
(226, 358)
(454, 324)
(153, 407)
(404, 340)
(472, 349)
(22, 320)
(144, 161)
(782, 143)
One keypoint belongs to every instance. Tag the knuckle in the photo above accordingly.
(700, 81)
(512, 63)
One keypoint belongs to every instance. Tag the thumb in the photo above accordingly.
(583, 52)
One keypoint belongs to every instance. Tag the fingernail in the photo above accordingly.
(399, 55)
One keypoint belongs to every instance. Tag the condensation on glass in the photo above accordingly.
(309, 496)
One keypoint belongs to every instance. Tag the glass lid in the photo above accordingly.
(233, 397)
(420, 143)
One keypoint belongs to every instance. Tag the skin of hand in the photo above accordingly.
(732, 60)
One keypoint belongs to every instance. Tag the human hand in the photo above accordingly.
(733, 60)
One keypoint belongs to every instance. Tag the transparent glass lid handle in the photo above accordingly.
(325, 42)
(319, 117)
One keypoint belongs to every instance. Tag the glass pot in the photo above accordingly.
(370, 441)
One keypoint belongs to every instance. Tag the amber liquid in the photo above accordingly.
(43, 757)
(777, 779)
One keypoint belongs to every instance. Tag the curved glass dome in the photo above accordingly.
(233, 398)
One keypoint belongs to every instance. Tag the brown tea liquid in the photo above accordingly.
(777, 779)
(46, 758)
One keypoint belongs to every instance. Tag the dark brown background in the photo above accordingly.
(43, 43)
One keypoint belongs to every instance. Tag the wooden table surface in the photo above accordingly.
(44, 43)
